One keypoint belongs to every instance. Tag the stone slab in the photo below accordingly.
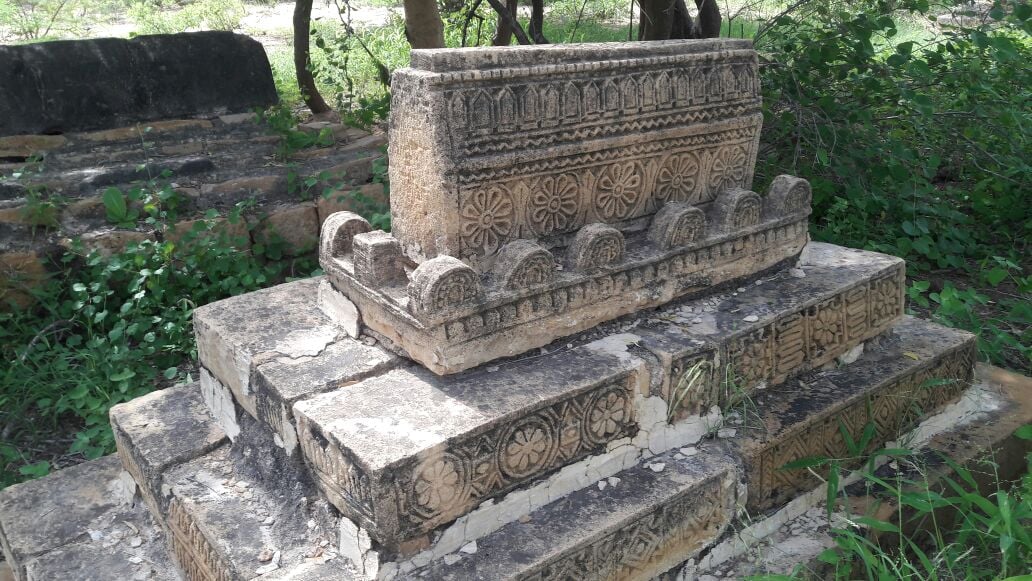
(497, 144)
(275, 346)
(645, 521)
(719, 349)
(74, 524)
(77, 85)
(918, 370)
(160, 430)
(221, 521)
(407, 451)
(453, 320)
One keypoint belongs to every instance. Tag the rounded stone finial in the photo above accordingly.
(788, 196)
(338, 230)
(677, 224)
(523, 264)
(441, 285)
(736, 209)
(595, 246)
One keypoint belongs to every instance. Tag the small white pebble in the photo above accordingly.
(469, 548)
(311, 523)
(741, 289)
(602, 484)
(751, 319)
(690, 451)
(613, 480)
(797, 273)
(268, 521)
(759, 282)
(96, 535)
(451, 559)
(657, 466)
(135, 560)
(726, 432)
(490, 369)
(135, 542)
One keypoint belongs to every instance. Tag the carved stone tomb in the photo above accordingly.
(539, 191)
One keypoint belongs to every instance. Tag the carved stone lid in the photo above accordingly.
(483, 57)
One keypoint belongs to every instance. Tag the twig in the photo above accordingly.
(49, 329)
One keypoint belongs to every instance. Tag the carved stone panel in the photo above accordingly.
(492, 145)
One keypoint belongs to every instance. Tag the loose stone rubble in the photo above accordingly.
(608, 394)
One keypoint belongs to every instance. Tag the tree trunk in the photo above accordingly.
(664, 19)
(537, 21)
(303, 58)
(423, 25)
(503, 33)
(709, 20)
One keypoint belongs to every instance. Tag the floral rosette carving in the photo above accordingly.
(619, 190)
(746, 212)
(826, 329)
(728, 169)
(678, 177)
(595, 246)
(487, 219)
(440, 485)
(607, 415)
(554, 203)
(441, 286)
(528, 448)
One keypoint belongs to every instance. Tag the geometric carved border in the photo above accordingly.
(437, 489)
(893, 409)
(191, 549)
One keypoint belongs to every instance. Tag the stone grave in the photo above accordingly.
(585, 351)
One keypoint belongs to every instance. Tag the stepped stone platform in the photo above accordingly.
(485, 393)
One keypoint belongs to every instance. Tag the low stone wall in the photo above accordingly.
(167, 111)
(212, 163)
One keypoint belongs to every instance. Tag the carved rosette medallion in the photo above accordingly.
(746, 212)
(487, 219)
(619, 190)
(728, 170)
(677, 225)
(788, 196)
(528, 448)
(442, 285)
(595, 246)
(554, 204)
(678, 178)
(606, 415)
(523, 264)
(441, 483)
(338, 231)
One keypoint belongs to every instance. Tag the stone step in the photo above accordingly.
(602, 534)
(377, 446)
(231, 512)
(79, 524)
(635, 526)
(919, 369)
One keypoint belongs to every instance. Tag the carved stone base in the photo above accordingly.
(447, 322)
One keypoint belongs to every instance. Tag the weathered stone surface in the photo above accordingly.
(297, 226)
(491, 145)
(81, 85)
(145, 130)
(20, 272)
(575, 149)
(917, 371)
(78, 511)
(160, 430)
(718, 350)
(274, 347)
(652, 518)
(404, 452)
(221, 520)
(25, 146)
(455, 330)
